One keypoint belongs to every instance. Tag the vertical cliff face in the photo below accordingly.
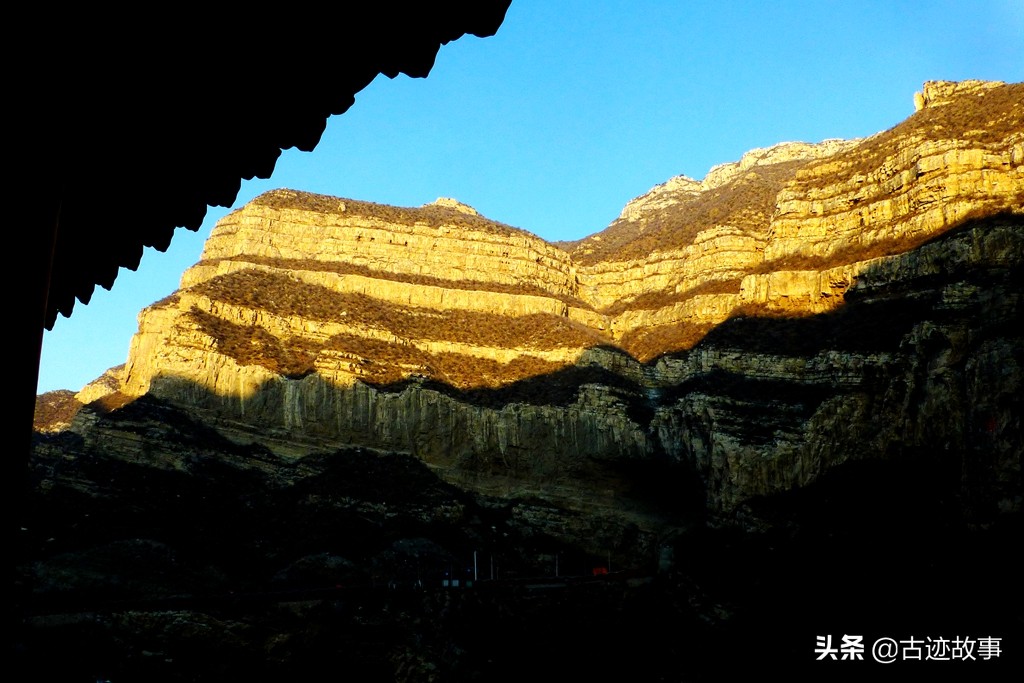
(921, 363)
(808, 306)
(806, 367)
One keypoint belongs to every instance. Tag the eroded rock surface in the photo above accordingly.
(511, 363)
(806, 365)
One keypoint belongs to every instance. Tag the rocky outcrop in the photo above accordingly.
(728, 324)
(937, 93)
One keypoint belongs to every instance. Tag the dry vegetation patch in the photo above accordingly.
(374, 361)
(857, 252)
(466, 372)
(251, 345)
(387, 358)
(54, 410)
(346, 268)
(653, 301)
(985, 120)
(287, 297)
(746, 202)
(646, 344)
(431, 215)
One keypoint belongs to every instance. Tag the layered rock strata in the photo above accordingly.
(807, 306)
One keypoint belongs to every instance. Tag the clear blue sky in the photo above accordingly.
(575, 107)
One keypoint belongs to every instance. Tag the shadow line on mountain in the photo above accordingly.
(871, 320)
(914, 324)
(895, 543)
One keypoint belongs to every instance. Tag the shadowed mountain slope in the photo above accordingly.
(806, 367)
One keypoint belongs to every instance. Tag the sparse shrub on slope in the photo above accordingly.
(746, 202)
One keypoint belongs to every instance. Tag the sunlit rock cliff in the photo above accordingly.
(808, 305)
(781, 401)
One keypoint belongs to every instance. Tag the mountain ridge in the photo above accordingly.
(794, 258)
(300, 295)
(809, 370)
